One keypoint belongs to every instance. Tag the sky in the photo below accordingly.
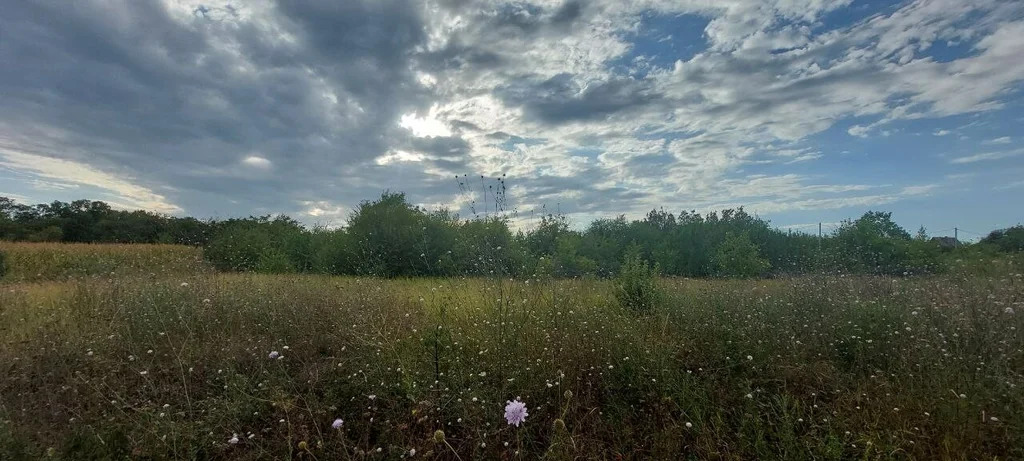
(802, 111)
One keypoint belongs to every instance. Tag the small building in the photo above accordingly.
(946, 242)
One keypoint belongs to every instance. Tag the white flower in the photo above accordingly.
(234, 439)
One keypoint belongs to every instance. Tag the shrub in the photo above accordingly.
(260, 244)
(738, 256)
(636, 286)
(1007, 240)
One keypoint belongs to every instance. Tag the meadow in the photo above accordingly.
(174, 361)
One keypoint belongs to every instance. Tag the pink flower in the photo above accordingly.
(515, 412)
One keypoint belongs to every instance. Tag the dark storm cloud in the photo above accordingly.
(129, 87)
(562, 99)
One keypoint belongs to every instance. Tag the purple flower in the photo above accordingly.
(337, 423)
(274, 354)
(515, 412)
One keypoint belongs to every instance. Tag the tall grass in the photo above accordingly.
(61, 261)
(826, 368)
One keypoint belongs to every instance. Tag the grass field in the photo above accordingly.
(61, 261)
(177, 364)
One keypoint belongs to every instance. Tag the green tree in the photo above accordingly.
(738, 256)
(1007, 240)
(388, 236)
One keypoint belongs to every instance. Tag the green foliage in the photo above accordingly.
(874, 244)
(260, 245)
(1006, 240)
(85, 221)
(390, 237)
(789, 368)
(738, 256)
(636, 287)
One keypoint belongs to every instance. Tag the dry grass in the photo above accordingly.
(828, 368)
(61, 261)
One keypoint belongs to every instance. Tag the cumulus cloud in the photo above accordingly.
(308, 106)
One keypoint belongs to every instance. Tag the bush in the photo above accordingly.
(1007, 240)
(738, 256)
(260, 245)
(636, 287)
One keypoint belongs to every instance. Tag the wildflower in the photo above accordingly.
(412, 452)
(303, 445)
(750, 357)
(274, 354)
(337, 423)
(234, 439)
(184, 284)
(1008, 310)
(515, 412)
(439, 436)
(689, 425)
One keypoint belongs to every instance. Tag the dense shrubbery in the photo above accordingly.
(636, 286)
(738, 256)
(1007, 240)
(390, 237)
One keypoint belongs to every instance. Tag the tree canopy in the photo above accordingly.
(390, 237)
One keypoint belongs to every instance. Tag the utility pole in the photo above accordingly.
(956, 237)
(819, 248)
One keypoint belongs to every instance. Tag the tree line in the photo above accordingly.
(392, 238)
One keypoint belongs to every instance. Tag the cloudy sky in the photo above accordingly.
(801, 110)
